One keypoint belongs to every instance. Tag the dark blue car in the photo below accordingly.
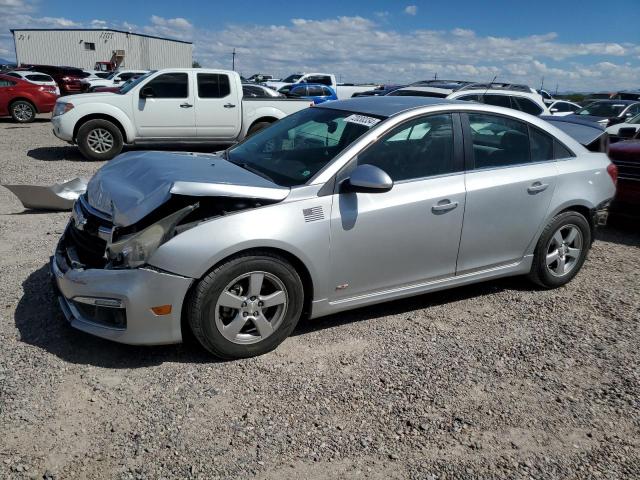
(313, 91)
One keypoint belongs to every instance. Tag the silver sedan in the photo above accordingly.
(338, 206)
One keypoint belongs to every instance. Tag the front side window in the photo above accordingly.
(213, 85)
(170, 85)
(498, 141)
(297, 147)
(420, 148)
(527, 106)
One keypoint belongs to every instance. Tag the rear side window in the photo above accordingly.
(498, 141)
(420, 148)
(560, 151)
(315, 91)
(497, 100)
(170, 85)
(213, 85)
(322, 79)
(541, 145)
(470, 98)
(39, 78)
(526, 105)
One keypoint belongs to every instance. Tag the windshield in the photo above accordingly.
(602, 109)
(292, 78)
(297, 147)
(128, 86)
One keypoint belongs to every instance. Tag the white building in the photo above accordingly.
(84, 47)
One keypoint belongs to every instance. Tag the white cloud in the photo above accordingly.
(361, 49)
(411, 10)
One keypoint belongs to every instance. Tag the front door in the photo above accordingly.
(169, 112)
(411, 233)
(509, 190)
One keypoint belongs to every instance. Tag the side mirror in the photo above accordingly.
(368, 179)
(147, 92)
(627, 132)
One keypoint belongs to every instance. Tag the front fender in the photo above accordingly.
(82, 111)
(281, 226)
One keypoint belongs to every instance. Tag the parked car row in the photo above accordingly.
(23, 99)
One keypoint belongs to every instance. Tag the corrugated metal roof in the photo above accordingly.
(95, 30)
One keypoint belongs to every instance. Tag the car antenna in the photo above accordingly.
(489, 86)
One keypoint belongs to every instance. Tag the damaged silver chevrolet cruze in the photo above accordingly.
(335, 207)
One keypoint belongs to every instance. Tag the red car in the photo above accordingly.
(626, 156)
(22, 100)
(67, 78)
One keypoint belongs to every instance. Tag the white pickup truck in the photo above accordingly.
(171, 106)
(342, 90)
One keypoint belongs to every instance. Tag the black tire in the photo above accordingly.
(23, 111)
(98, 125)
(202, 302)
(256, 127)
(540, 273)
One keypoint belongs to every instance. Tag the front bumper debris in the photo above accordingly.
(116, 304)
(59, 196)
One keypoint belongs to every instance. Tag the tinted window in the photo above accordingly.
(526, 105)
(498, 141)
(541, 145)
(170, 85)
(314, 91)
(299, 91)
(213, 85)
(39, 78)
(470, 98)
(420, 148)
(126, 76)
(497, 100)
(326, 91)
(13, 74)
(251, 91)
(322, 79)
(560, 151)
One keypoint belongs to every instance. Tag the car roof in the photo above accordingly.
(386, 106)
(13, 79)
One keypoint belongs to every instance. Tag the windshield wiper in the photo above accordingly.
(251, 168)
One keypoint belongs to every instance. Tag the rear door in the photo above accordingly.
(218, 106)
(510, 181)
(411, 233)
(169, 112)
(6, 87)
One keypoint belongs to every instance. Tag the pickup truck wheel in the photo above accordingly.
(23, 111)
(247, 306)
(256, 127)
(99, 140)
(561, 250)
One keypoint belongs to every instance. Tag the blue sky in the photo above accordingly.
(577, 45)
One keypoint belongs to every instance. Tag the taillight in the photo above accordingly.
(612, 170)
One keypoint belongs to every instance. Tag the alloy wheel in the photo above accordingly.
(564, 250)
(23, 112)
(100, 140)
(251, 307)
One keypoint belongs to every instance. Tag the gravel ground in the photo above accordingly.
(496, 380)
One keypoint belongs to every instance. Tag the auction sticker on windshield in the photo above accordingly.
(362, 120)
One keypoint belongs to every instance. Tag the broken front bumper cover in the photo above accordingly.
(59, 196)
(116, 304)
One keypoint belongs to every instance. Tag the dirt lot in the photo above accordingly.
(497, 380)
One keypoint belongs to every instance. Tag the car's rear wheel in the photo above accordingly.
(99, 140)
(561, 250)
(247, 306)
(23, 111)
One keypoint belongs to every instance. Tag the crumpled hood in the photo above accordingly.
(134, 184)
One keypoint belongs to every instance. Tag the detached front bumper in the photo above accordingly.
(116, 304)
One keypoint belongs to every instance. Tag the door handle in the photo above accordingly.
(444, 207)
(537, 187)
(185, 105)
(229, 105)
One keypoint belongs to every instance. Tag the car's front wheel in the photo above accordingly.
(23, 111)
(561, 250)
(247, 306)
(99, 140)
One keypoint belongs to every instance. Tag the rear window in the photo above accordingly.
(213, 85)
(39, 78)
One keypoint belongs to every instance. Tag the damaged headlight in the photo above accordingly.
(134, 250)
